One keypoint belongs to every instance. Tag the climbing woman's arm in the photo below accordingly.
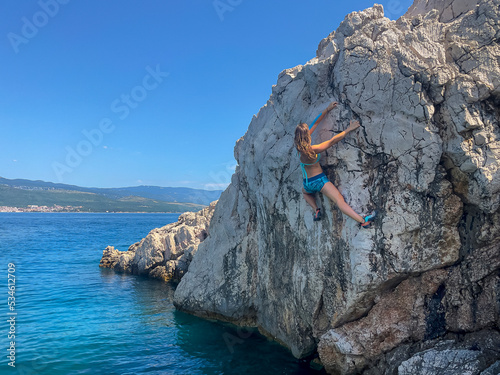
(321, 116)
(327, 144)
(335, 139)
(315, 123)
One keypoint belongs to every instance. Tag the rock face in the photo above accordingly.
(426, 89)
(166, 252)
(448, 10)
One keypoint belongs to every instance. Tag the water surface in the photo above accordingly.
(76, 318)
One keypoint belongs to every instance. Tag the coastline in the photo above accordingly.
(130, 321)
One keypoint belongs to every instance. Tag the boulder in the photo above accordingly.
(426, 89)
(166, 252)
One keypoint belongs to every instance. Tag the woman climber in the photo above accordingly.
(314, 178)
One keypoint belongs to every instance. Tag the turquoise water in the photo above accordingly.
(76, 318)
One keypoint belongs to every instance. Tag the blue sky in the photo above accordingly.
(123, 93)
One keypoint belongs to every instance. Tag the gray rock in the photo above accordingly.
(448, 10)
(166, 252)
(494, 369)
(414, 356)
(443, 362)
(426, 89)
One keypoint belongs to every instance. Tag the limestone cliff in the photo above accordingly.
(422, 289)
(166, 252)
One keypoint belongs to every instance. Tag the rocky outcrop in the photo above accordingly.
(426, 91)
(448, 10)
(421, 309)
(166, 252)
(475, 354)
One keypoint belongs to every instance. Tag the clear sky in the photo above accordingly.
(154, 92)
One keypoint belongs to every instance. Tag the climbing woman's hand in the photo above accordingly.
(331, 106)
(352, 126)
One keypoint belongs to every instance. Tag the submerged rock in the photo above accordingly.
(166, 252)
(426, 89)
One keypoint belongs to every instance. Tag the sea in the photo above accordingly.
(63, 314)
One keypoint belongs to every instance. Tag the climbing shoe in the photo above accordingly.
(317, 215)
(369, 220)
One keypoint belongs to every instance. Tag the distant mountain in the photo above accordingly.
(21, 193)
(167, 194)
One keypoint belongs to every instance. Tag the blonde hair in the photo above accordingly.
(303, 141)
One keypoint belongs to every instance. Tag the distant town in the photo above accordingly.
(20, 195)
(36, 208)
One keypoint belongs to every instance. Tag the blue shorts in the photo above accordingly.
(315, 184)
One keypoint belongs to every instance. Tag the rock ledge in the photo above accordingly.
(166, 252)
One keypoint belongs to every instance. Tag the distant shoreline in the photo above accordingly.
(82, 209)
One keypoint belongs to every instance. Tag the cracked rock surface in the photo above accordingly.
(427, 156)
(166, 252)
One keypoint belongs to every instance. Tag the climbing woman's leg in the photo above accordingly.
(310, 199)
(334, 194)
